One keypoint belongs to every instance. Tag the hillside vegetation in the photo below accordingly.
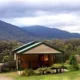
(69, 47)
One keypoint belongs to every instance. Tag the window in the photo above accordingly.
(44, 57)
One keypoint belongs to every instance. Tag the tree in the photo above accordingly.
(73, 62)
(6, 48)
(6, 58)
(78, 50)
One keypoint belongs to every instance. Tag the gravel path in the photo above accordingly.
(5, 78)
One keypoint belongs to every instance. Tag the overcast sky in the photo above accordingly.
(61, 14)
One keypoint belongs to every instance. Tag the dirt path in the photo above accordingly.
(5, 78)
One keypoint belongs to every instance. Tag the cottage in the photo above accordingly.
(34, 55)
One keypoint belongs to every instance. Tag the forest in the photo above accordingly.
(67, 46)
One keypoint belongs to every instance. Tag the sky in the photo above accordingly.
(61, 14)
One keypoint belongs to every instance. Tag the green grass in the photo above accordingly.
(75, 75)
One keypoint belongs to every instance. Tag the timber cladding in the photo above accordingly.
(29, 61)
(34, 60)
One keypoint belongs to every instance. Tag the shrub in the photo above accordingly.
(74, 62)
(27, 72)
(58, 65)
(6, 58)
(30, 72)
(44, 70)
(40, 71)
(9, 66)
(49, 70)
(5, 68)
(68, 66)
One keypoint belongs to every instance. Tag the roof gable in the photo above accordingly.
(41, 49)
(36, 47)
(29, 47)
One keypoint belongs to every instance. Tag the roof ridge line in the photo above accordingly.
(23, 46)
(29, 47)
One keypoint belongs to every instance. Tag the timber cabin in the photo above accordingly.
(34, 55)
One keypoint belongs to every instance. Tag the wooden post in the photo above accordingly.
(17, 62)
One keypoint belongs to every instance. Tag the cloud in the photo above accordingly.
(61, 14)
(24, 8)
(57, 20)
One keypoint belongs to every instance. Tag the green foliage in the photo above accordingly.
(40, 71)
(57, 65)
(27, 72)
(44, 70)
(72, 75)
(5, 70)
(68, 67)
(68, 46)
(78, 50)
(73, 62)
(8, 66)
(6, 48)
(6, 59)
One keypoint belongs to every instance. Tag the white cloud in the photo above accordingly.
(68, 22)
(62, 14)
(72, 29)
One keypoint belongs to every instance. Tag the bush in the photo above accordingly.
(48, 70)
(27, 72)
(58, 65)
(44, 70)
(9, 66)
(5, 68)
(30, 72)
(40, 71)
(73, 62)
(68, 66)
(6, 58)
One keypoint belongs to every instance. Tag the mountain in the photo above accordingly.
(25, 34)
(45, 32)
(11, 32)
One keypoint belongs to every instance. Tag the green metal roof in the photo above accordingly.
(29, 46)
(22, 47)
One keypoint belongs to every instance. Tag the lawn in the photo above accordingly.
(75, 75)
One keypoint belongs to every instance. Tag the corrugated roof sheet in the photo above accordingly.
(29, 46)
(23, 46)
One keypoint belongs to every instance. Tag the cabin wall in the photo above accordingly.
(31, 57)
(29, 61)
(51, 60)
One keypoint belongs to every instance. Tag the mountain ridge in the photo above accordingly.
(42, 31)
(32, 33)
(11, 32)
